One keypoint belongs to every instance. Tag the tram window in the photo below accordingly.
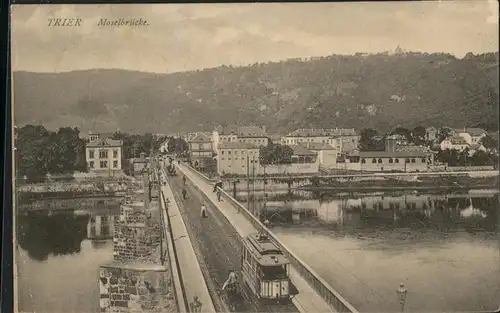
(274, 272)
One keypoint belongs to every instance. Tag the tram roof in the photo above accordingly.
(266, 252)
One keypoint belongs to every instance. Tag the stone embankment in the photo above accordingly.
(139, 279)
(74, 189)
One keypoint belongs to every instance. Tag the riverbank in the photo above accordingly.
(62, 195)
(76, 189)
(420, 183)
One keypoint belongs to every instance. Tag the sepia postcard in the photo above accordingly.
(256, 157)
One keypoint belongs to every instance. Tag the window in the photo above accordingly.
(115, 164)
(103, 164)
(396, 160)
(390, 160)
(229, 152)
(103, 154)
(115, 154)
(413, 161)
(374, 160)
(91, 164)
(222, 152)
(407, 160)
(91, 154)
(379, 160)
(424, 160)
(363, 160)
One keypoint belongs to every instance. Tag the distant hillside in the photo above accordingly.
(380, 91)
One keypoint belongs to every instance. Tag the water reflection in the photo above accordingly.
(442, 212)
(56, 246)
(100, 227)
(42, 235)
(442, 246)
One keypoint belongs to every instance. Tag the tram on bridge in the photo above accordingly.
(265, 270)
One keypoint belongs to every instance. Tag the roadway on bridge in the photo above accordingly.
(307, 300)
(217, 244)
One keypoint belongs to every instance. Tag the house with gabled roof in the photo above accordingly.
(471, 135)
(454, 143)
(303, 155)
(164, 146)
(104, 155)
(327, 155)
(201, 151)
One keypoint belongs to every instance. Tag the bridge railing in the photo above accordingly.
(330, 295)
(180, 293)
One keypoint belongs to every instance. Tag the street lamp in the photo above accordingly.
(402, 291)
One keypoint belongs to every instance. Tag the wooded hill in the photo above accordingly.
(376, 91)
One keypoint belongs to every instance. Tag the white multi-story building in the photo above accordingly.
(254, 135)
(238, 158)
(104, 155)
(343, 140)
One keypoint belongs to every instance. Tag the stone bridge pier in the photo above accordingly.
(137, 280)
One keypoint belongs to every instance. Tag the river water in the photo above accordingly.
(443, 247)
(58, 258)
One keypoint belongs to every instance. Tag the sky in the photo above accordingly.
(182, 37)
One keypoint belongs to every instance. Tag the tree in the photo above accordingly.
(489, 142)
(177, 145)
(367, 142)
(448, 156)
(463, 157)
(480, 158)
(40, 151)
(419, 135)
(135, 144)
(275, 154)
(443, 133)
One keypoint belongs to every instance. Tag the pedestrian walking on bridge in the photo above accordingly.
(203, 211)
(184, 179)
(184, 193)
(219, 194)
(218, 185)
